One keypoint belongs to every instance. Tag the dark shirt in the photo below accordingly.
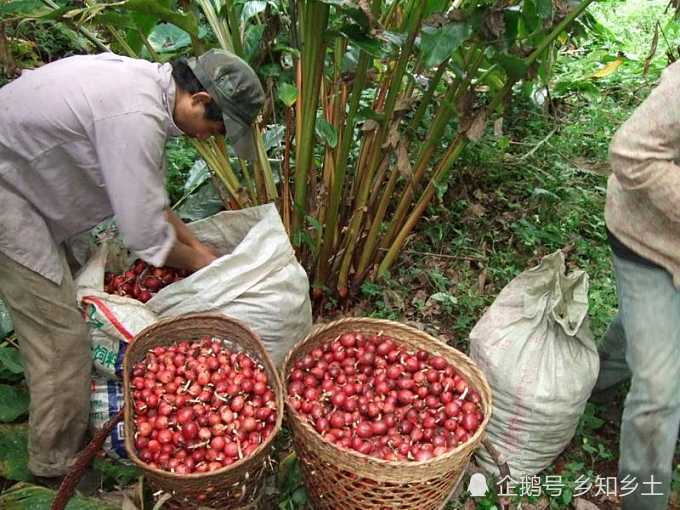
(622, 251)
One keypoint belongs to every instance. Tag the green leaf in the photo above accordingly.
(327, 132)
(14, 452)
(514, 66)
(288, 93)
(10, 377)
(393, 37)
(511, 20)
(186, 22)
(359, 38)
(530, 16)
(167, 38)
(198, 174)
(10, 358)
(566, 496)
(350, 9)
(544, 8)
(14, 402)
(444, 297)
(437, 44)
(5, 320)
(433, 6)
(252, 9)
(251, 41)
(115, 19)
(23, 7)
(273, 136)
(204, 202)
(300, 496)
(115, 472)
(26, 496)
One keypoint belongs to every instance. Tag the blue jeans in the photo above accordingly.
(643, 344)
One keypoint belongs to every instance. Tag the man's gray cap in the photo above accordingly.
(236, 89)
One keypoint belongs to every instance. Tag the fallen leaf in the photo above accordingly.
(393, 137)
(419, 297)
(494, 23)
(476, 130)
(393, 299)
(498, 127)
(403, 162)
(608, 69)
(477, 210)
(403, 104)
(481, 281)
(370, 125)
(465, 106)
(584, 504)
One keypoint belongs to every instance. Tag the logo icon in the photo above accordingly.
(477, 487)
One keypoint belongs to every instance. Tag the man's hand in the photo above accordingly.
(193, 258)
(188, 252)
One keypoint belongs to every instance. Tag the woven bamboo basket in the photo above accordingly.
(341, 479)
(237, 485)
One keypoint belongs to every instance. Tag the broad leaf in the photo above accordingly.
(144, 24)
(326, 132)
(273, 136)
(351, 9)
(26, 496)
(10, 359)
(115, 19)
(437, 44)
(198, 174)
(115, 472)
(361, 39)
(530, 16)
(544, 8)
(511, 20)
(201, 204)
(288, 93)
(14, 402)
(432, 6)
(167, 38)
(186, 22)
(14, 452)
(513, 65)
(251, 41)
(23, 7)
(392, 37)
(251, 9)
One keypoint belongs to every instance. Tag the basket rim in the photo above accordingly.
(129, 415)
(318, 330)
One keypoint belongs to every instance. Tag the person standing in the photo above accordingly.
(642, 343)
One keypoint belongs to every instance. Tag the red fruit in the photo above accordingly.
(152, 283)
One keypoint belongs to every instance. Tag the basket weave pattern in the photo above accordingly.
(237, 485)
(339, 479)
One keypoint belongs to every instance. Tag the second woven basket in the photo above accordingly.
(339, 479)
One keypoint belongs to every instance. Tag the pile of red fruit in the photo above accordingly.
(142, 281)
(200, 406)
(370, 394)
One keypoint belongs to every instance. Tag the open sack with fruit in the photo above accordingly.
(536, 349)
(257, 279)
